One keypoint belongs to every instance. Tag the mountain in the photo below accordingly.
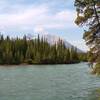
(52, 39)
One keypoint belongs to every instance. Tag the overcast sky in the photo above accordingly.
(56, 17)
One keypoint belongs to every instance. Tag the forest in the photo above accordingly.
(36, 51)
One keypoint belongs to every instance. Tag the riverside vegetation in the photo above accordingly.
(37, 51)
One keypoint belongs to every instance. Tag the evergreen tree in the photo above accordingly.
(88, 13)
(34, 51)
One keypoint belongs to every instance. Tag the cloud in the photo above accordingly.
(40, 30)
(29, 17)
(25, 16)
(62, 19)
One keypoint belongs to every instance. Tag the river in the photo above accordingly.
(48, 82)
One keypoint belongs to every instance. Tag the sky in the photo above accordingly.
(55, 17)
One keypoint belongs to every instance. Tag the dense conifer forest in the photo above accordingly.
(36, 51)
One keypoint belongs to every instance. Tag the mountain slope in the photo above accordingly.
(52, 39)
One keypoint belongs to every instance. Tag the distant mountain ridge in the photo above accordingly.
(52, 39)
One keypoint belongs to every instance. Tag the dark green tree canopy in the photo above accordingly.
(88, 15)
(35, 51)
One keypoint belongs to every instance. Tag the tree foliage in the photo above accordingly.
(88, 15)
(35, 51)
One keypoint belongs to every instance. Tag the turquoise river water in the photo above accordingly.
(48, 82)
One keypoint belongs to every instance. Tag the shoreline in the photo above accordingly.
(11, 65)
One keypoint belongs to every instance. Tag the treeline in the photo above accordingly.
(35, 51)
